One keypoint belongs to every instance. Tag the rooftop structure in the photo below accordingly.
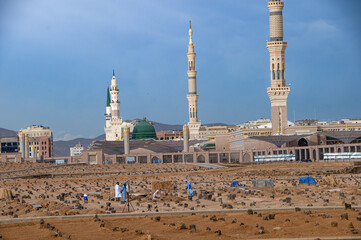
(76, 150)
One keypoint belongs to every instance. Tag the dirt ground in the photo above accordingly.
(286, 224)
(60, 194)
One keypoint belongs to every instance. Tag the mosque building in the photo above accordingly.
(260, 140)
(244, 142)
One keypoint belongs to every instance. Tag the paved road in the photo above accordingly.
(210, 165)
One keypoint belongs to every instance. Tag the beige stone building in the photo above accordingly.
(36, 142)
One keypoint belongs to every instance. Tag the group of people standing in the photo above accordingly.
(121, 194)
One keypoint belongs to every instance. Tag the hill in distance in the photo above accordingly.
(7, 133)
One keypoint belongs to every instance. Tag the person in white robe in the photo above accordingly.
(156, 195)
(117, 192)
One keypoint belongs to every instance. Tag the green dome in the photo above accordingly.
(144, 130)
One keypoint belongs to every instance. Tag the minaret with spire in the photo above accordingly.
(113, 121)
(192, 96)
(114, 92)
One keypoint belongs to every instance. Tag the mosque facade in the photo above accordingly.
(240, 137)
(252, 141)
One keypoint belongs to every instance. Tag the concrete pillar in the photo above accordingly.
(207, 158)
(22, 143)
(317, 154)
(185, 138)
(26, 147)
(33, 152)
(126, 140)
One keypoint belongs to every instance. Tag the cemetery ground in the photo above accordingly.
(42, 201)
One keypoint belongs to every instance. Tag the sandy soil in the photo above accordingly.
(232, 226)
(61, 194)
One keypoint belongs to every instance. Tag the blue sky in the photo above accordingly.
(56, 57)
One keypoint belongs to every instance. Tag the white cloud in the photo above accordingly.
(322, 25)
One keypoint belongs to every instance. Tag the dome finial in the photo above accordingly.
(113, 73)
(143, 117)
(185, 123)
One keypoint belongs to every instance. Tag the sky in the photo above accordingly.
(56, 57)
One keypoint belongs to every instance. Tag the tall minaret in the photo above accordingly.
(192, 96)
(114, 92)
(278, 92)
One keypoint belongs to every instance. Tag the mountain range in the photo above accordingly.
(62, 148)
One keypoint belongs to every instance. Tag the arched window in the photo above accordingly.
(302, 142)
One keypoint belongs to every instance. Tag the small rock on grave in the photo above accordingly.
(192, 227)
(334, 224)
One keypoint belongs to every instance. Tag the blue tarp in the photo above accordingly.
(307, 180)
(236, 184)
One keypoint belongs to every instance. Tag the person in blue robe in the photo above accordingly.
(190, 190)
(124, 190)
